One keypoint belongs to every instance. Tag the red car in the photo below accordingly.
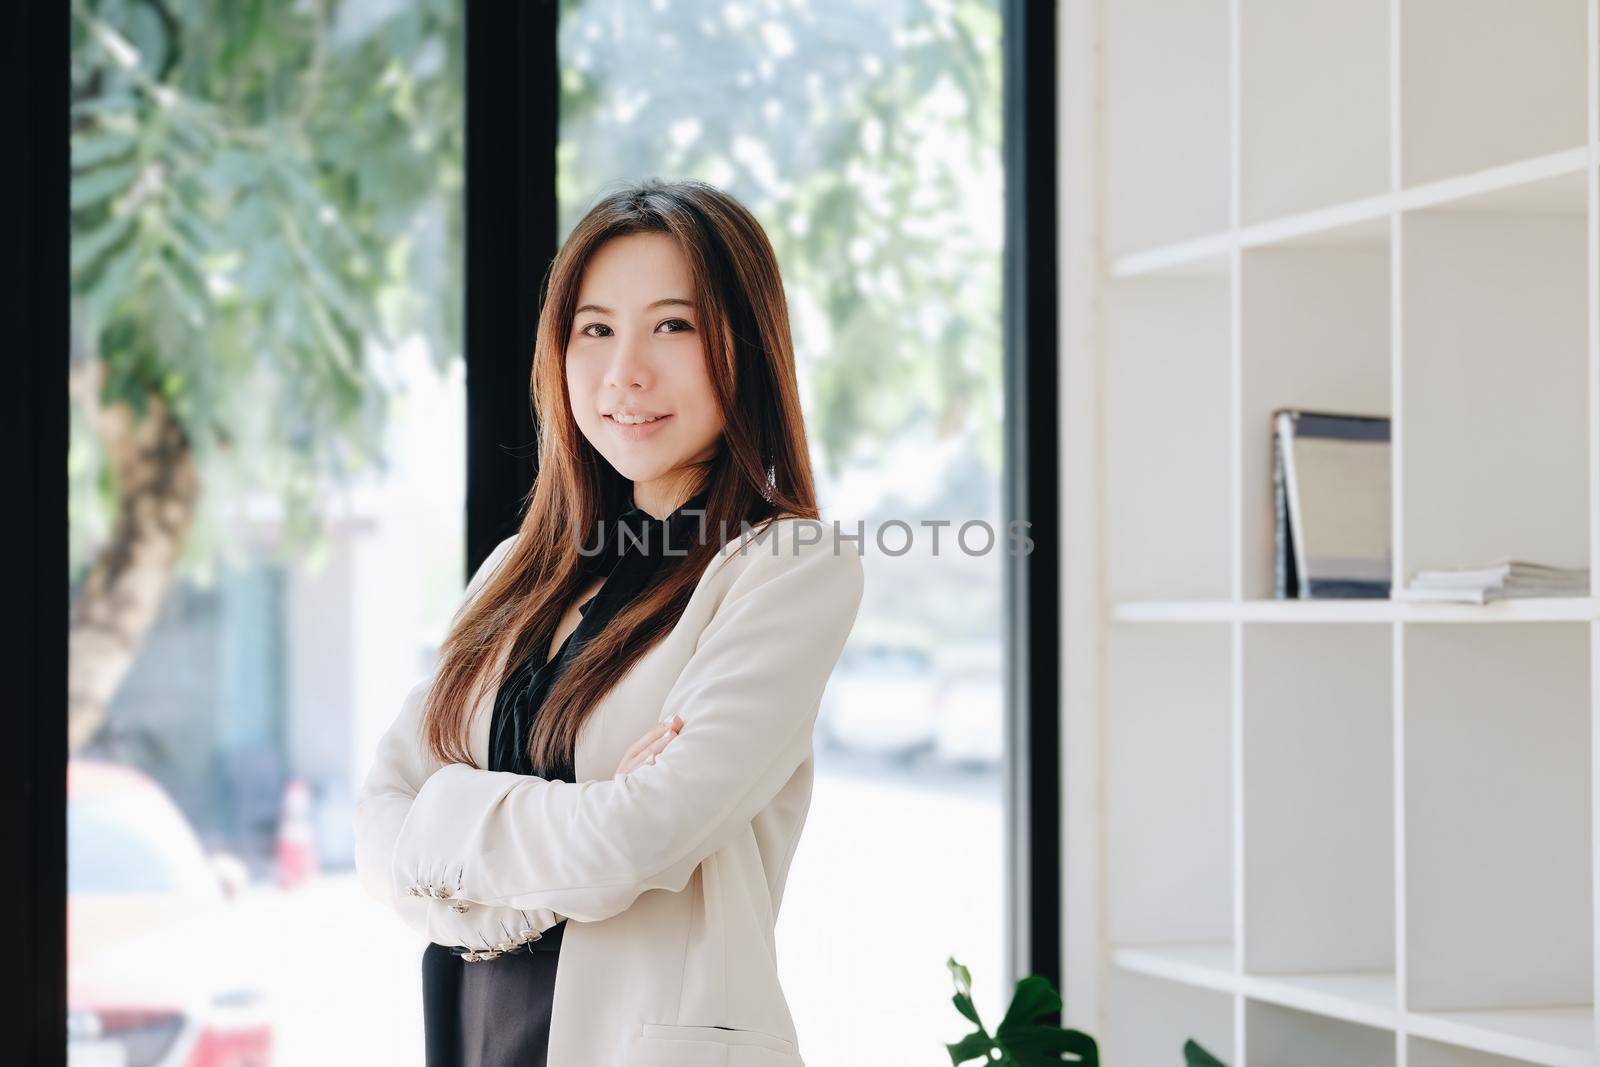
(150, 980)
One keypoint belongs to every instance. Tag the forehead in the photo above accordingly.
(633, 270)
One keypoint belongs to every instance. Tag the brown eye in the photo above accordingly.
(683, 325)
(593, 325)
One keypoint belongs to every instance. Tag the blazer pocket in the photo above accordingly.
(721, 1035)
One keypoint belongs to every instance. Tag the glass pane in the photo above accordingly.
(266, 472)
(866, 137)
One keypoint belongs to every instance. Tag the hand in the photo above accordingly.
(484, 929)
(650, 745)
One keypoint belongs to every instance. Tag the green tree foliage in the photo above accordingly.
(265, 200)
(866, 137)
(263, 204)
(259, 190)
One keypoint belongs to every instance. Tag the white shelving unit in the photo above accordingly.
(1357, 832)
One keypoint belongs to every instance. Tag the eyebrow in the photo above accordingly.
(665, 301)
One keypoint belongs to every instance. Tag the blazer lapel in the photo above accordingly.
(624, 714)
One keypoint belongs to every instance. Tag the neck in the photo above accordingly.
(659, 501)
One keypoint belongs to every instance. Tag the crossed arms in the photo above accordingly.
(512, 844)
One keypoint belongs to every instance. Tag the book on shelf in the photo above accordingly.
(1330, 481)
(1500, 579)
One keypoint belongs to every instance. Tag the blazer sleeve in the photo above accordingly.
(748, 695)
(402, 764)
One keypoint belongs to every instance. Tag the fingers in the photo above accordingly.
(656, 746)
(651, 745)
(651, 735)
(651, 742)
(647, 754)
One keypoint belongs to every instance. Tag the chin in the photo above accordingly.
(636, 470)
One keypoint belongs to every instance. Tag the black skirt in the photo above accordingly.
(490, 1013)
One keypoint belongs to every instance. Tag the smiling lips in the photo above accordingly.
(635, 425)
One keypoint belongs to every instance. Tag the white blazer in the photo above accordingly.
(671, 875)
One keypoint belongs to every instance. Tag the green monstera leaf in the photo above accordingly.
(1028, 1036)
(1196, 1056)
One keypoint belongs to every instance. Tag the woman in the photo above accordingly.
(611, 764)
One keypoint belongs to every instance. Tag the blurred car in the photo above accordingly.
(970, 726)
(880, 699)
(152, 980)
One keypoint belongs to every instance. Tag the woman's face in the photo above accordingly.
(637, 350)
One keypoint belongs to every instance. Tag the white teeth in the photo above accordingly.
(634, 420)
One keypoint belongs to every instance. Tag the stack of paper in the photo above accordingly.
(1497, 581)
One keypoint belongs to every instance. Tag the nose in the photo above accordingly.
(629, 365)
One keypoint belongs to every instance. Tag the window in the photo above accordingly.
(266, 496)
(866, 138)
(270, 453)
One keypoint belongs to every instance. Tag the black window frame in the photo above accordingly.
(34, 109)
(1033, 492)
(512, 105)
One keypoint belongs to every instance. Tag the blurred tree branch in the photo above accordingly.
(263, 202)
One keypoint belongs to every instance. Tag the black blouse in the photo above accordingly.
(496, 1013)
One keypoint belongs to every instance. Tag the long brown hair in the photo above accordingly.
(761, 468)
